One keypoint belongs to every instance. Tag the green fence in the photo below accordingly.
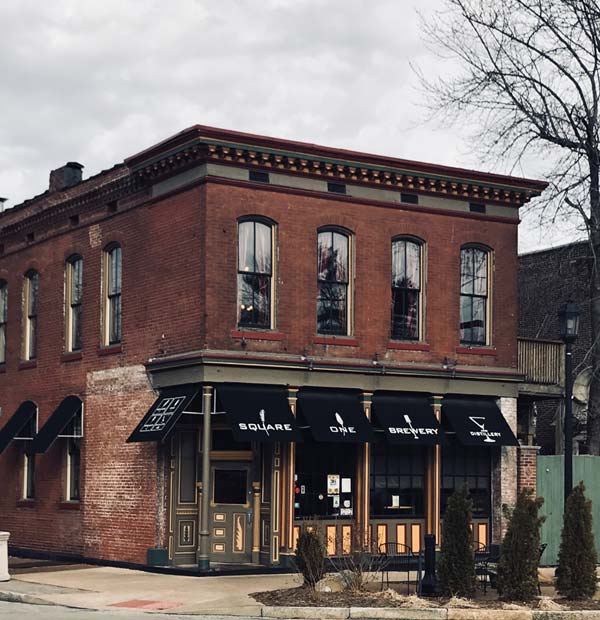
(550, 477)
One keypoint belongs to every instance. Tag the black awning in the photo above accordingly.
(258, 412)
(478, 421)
(56, 423)
(335, 416)
(24, 415)
(164, 413)
(407, 418)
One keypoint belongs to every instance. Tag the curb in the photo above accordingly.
(19, 597)
(432, 613)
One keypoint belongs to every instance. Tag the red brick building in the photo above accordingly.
(249, 277)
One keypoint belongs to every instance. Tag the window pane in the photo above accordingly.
(114, 285)
(405, 314)
(3, 303)
(187, 475)
(263, 248)
(246, 246)
(331, 308)
(398, 263)
(413, 266)
(32, 337)
(76, 327)
(466, 318)
(480, 272)
(2, 343)
(466, 271)
(115, 319)
(230, 486)
(74, 468)
(340, 256)
(33, 294)
(76, 281)
(478, 323)
(29, 490)
(325, 259)
(254, 300)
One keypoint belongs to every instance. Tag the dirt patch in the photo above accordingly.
(305, 597)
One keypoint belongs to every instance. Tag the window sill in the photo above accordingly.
(71, 356)
(477, 350)
(112, 349)
(69, 505)
(26, 503)
(408, 346)
(256, 335)
(338, 341)
(27, 364)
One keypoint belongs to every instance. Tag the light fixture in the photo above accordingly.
(568, 322)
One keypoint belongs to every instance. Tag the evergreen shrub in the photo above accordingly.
(310, 556)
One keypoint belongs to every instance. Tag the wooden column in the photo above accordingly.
(362, 480)
(256, 523)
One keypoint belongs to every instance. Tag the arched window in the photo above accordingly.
(3, 319)
(474, 293)
(255, 274)
(112, 296)
(73, 301)
(406, 289)
(333, 280)
(30, 294)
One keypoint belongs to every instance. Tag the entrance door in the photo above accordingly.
(184, 499)
(231, 512)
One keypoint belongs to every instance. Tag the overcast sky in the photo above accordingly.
(98, 81)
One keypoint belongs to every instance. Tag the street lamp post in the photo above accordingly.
(568, 320)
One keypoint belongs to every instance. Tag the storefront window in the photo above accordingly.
(397, 480)
(471, 466)
(325, 480)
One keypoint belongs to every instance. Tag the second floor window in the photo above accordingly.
(3, 319)
(474, 289)
(255, 274)
(74, 297)
(112, 301)
(406, 289)
(333, 279)
(31, 310)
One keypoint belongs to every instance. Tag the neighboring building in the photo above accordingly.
(547, 280)
(350, 319)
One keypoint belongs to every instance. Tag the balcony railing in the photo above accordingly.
(542, 361)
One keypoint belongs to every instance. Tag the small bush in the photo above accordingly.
(456, 566)
(518, 565)
(576, 571)
(310, 556)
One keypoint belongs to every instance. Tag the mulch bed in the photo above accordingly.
(305, 597)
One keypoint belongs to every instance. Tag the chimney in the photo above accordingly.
(2, 201)
(65, 177)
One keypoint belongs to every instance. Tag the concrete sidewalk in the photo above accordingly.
(119, 588)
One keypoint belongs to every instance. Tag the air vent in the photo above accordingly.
(111, 207)
(476, 207)
(259, 177)
(74, 220)
(336, 188)
(30, 238)
(412, 199)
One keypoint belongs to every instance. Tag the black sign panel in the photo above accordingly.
(478, 422)
(22, 417)
(164, 413)
(335, 416)
(258, 412)
(407, 418)
(57, 422)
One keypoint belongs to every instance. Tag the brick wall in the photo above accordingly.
(527, 468)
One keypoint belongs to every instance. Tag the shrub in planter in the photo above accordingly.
(576, 571)
(518, 565)
(456, 568)
(310, 556)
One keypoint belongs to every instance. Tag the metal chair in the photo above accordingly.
(395, 557)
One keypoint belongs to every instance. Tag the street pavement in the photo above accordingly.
(18, 611)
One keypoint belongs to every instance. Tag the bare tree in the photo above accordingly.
(529, 78)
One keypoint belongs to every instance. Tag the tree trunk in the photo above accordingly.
(593, 417)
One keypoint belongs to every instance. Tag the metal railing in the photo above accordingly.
(542, 361)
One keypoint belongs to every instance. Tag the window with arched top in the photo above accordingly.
(112, 294)
(255, 273)
(3, 319)
(333, 282)
(73, 302)
(407, 289)
(30, 304)
(474, 295)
